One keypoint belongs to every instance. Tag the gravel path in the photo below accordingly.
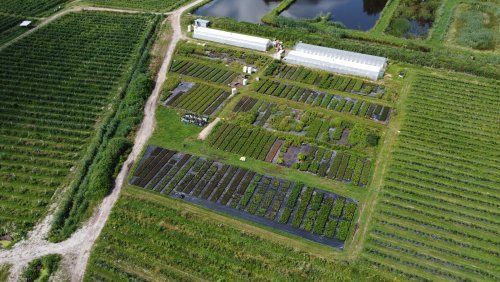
(76, 250)
(206, 131)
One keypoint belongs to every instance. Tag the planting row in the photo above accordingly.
(7, 22)
(263, 145)
(199, 98)
(208, 73)
(438, 214)
(308, 212)
(56, 85)
(28, 7)
(325, 80)
(223, 54)
(250, 142)
(325, 100)
(308, 125)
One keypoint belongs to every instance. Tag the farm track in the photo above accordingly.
(76, 250)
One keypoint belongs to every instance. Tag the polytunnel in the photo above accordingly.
(230, 38)
(339, 61)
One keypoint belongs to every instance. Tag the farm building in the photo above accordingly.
(230, 38)
(338, 61)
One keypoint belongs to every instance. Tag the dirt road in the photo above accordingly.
(76, 250)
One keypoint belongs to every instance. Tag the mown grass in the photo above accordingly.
(179, 241)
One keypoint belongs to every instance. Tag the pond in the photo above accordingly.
(354, 14)
(418, 29)
(240, 10)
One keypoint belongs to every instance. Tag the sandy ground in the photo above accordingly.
(76, 250)
(206, 131)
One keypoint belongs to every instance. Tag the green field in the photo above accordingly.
(437, 216)
(190, 243)
(476, 26)
(29, 7)
(45, 131)
(143, 5)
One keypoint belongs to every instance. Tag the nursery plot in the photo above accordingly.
(438, 213)
(200, 98)
(326, 80)
(308, 125)
(325, 100)
(223, 54)
(250, 142)
(28, 7)
(145, 5)
(307, 212)
(265, 146)
(56, 85)
(204, 72)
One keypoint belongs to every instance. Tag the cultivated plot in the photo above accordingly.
(149, 235)
(56, 85)
(307, 212)
(438, 214)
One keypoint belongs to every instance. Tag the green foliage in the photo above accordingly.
(412, 10)
(29, 7)
(398, 27)
(146, 5)
(477, 26)
(90, 55)
(41, 269)
(358, 135)
(162, 225)
(170, 84)
(4, 272)
(96, 179)
(437, 173)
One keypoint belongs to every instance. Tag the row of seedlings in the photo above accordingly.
(245, 104)
(326, 80)
(202, 99)
(315, 128)
(43, 130)
(251, 142)
(263, 145)
(325, 100)
(201, 71)
(335, 165)
(305, 211)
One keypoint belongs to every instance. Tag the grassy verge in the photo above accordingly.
(384, 155)
(385, 17)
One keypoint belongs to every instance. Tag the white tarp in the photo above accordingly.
(230, 38)
(339, 61)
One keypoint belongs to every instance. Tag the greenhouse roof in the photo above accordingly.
(210, 33)
(339, 61)
(341, 55)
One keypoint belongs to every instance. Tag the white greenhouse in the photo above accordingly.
(338, 61)
(230, 38)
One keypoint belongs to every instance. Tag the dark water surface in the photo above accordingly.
(240, 10)
(354, 14)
